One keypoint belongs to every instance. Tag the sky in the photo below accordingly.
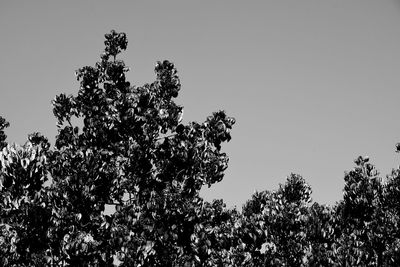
(312, 84)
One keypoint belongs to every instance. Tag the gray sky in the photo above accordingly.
(312, 84)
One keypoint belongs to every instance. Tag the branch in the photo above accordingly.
(112, 203)
(163, 137)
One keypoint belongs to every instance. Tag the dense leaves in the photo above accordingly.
(133, 154)
(121, 187)
(23, 207)
(3, 124)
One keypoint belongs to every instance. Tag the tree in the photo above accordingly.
(278, 222)
(133, 153)
(3, 124)
(367, 221)
(23, 210)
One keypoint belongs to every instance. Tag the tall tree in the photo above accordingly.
(133, 153)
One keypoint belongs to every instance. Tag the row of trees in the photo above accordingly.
(134, 155)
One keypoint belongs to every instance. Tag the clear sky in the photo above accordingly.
(312, 84)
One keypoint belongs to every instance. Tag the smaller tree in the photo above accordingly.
(3, 124)
(278, 220)
(24, 211)
(365, 221)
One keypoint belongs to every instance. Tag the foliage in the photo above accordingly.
(3, 124)
(121, 187)
(134, 153)
(23, 210)
(280, 223)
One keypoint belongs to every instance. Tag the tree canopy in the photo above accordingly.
(120, 187)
